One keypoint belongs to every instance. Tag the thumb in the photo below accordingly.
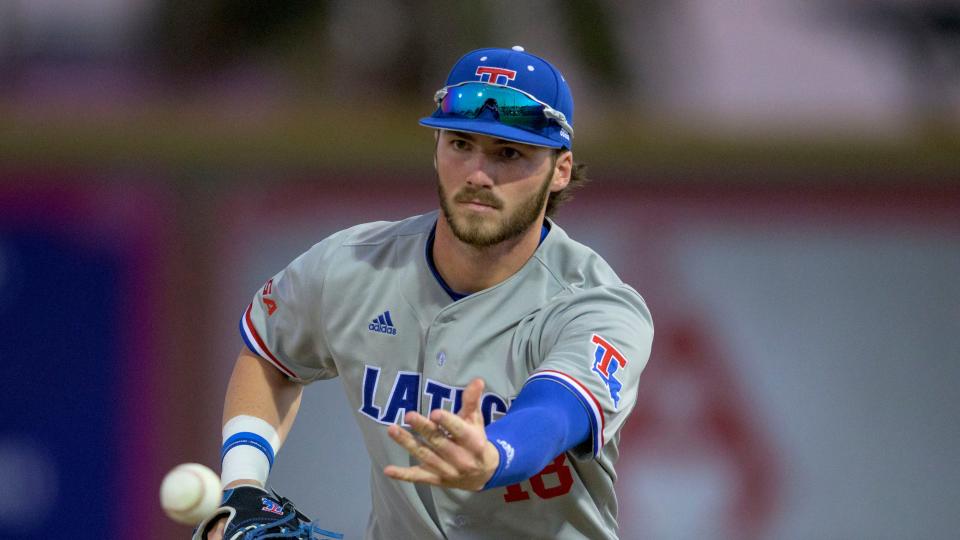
(217, 532)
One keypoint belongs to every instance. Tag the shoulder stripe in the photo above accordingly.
(256, 344)
(597, 423)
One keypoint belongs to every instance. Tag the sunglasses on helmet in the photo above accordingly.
(514, 107)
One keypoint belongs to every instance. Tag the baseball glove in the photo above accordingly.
(253, 513)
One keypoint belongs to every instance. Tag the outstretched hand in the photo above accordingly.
(452, 449)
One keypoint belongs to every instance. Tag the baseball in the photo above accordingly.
(189, 493)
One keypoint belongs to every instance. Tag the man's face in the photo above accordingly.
(492, 190)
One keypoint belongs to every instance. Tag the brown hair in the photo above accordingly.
(578, 178)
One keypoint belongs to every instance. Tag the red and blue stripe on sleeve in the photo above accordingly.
(256, 344)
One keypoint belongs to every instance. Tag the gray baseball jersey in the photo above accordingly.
(365, 304)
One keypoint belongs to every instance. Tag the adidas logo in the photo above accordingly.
(383, 324)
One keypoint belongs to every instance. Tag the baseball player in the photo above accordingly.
(490, 359)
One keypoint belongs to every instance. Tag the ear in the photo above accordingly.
(436, 145)
(562, 170)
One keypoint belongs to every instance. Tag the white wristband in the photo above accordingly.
(249, 446)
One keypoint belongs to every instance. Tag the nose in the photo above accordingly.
(480, 171)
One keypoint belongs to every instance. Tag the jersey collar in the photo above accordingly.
(454, 295)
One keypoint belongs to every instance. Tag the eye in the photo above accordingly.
(460, 144)
(509, 152)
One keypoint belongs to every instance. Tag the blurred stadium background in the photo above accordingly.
(779, 178)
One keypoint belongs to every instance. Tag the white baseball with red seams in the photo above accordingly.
(189, 493)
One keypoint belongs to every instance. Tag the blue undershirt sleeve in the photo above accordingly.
(544, 421)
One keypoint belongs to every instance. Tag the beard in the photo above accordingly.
(485, 231)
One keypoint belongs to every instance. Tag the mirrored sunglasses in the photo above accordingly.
(514, 107)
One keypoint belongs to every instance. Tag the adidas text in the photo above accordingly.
(382, 328)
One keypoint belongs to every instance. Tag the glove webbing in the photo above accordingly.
(304, 531)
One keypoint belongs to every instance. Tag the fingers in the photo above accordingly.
(472, 395)
(431, 433)
(450, 425)
(413, 474)
(427, 456)
(468, 418)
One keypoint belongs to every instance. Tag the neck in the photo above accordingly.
(468, 269)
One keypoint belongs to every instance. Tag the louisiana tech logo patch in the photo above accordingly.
(496, 75)
(608, 361)
(271, 506)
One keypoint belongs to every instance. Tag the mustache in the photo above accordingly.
(480, 195)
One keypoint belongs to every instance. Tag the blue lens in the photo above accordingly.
(511, 107)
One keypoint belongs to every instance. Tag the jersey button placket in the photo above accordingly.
(435, 358)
